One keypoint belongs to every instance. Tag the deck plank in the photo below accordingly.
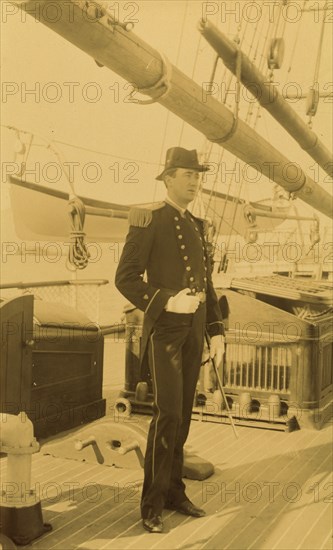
(251, 523)
(308, 515)
(244, 469)
(96, 507)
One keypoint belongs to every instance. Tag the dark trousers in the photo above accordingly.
(174, 354)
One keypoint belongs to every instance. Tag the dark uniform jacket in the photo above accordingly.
(171, 249)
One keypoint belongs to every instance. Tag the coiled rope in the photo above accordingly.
(78, 255)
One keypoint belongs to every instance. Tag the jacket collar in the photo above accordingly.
(175, 205)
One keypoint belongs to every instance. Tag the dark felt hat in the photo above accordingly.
(177, 157)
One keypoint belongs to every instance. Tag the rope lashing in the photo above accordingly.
(78, 255)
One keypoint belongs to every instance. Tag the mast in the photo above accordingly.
(268, 96)
(90, 27)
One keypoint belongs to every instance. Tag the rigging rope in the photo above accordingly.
(81, 148)
(222, 150)
(233, 128)
(192, 75)
(238, 41)
(169, 112)
(23, 150)
(313, 97)
(105, 154)
(320, 47)
(293, 51)
(268, 38)
(78, 255)
(249, 114)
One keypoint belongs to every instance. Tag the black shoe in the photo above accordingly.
(187, 508)
(153, 524)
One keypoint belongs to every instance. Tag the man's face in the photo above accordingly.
(183, 186)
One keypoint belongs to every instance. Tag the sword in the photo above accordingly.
(219, 382)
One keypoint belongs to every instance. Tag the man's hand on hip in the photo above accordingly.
(183, 302)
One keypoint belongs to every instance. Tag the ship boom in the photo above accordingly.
(268, 96)
(88, 26)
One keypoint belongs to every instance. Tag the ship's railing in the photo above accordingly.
(82, 295)
(263, 368)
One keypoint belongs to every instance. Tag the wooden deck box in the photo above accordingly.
(277, 369)
(274, 354)
(52, 365)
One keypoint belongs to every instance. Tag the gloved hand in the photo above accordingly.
(216, 348)
(183, 302)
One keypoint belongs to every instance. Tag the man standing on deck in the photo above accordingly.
(180, 303)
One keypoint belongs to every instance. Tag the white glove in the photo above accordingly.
(217, 348)
(183, 302)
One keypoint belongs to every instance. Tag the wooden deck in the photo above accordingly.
(270, 489)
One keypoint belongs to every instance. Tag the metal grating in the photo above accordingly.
(258, 367)
(85, 298)
(319, 292)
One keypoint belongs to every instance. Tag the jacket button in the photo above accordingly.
(176, 218)
(188, 268)
(182, 246)
(180, 236)
(205, 279)
(146, 297)
(177, 226)
(191, 279)
(185, 258)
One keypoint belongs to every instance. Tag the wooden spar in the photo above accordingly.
(134, 60)
(268, 96)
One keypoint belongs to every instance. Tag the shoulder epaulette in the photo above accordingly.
(142, 216)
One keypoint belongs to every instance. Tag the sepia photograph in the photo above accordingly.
(166, 279)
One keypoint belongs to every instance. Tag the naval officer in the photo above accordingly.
(166, 244)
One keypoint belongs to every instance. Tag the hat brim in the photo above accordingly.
(198, 168)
